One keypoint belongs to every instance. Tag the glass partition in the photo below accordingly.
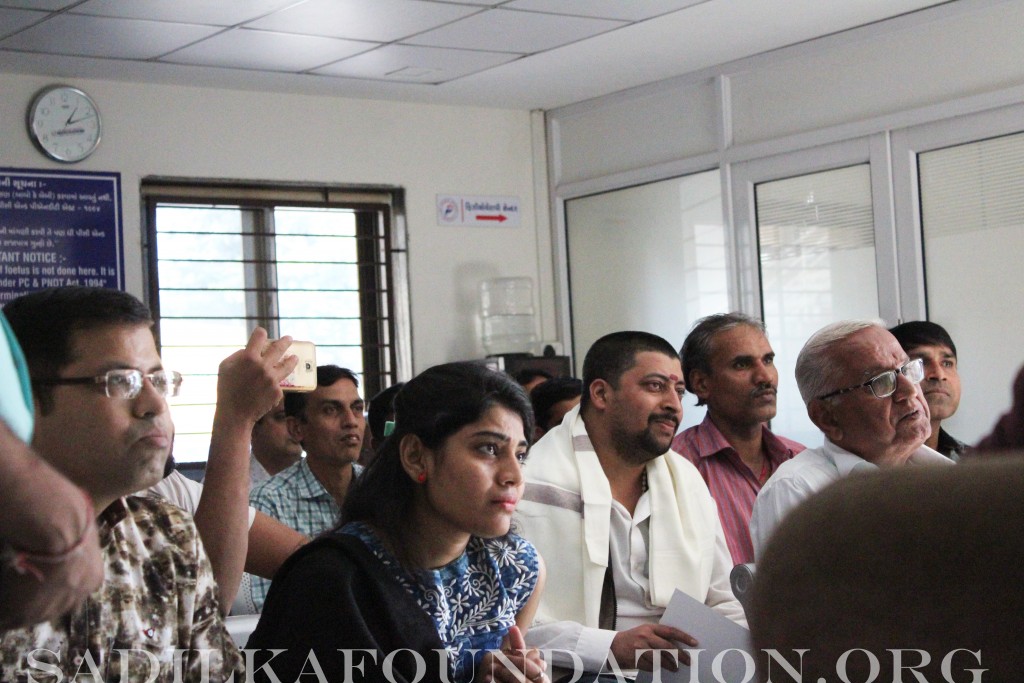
(972, 221)
(817, 254)
(650, 257)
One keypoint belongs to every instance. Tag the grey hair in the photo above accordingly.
(815, 366)
(696, 351)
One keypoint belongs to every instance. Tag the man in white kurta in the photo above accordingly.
(621, 521)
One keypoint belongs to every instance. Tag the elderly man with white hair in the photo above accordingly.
(863, 392)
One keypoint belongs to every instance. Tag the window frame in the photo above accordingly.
(381, 262)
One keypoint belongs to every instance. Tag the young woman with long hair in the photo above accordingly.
(422, 580)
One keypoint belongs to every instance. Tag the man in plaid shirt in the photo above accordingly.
(329, 423)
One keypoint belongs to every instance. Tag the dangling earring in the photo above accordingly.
(421, 477)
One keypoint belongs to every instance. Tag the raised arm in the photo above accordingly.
(247, 388)
(270, 544)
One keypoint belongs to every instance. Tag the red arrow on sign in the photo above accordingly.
(501, 218)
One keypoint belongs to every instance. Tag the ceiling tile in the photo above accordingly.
(12, 20)
(509, 31)
(248, 49)
(378, 20)
(185, 11)
(49, 5)
(695, 37)
(69, 34)
(635, 10)
(411, 64)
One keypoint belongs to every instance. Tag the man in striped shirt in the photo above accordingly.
(730, 366)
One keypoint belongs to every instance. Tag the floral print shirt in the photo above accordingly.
(155, 612)
(473, 601)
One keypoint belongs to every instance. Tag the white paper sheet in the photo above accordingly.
(715, 635)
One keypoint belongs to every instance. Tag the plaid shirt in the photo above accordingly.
(733, 486)
(158, 599)
(297, 498)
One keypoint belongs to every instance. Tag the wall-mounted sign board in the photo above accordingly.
(488, 212)
(59, 228)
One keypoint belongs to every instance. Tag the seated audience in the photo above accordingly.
(941, 384)
(863, 392)
(1009, 430)
(48, 547)
(423, 561)
(908, 574)
(626, 524)
(730, 366)
(329, 424)
(273, 448)
(552, 400)
(103, 422)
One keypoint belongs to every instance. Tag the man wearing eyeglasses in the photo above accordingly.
(102, 420)
(863, 392)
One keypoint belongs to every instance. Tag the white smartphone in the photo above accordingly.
(303, 377)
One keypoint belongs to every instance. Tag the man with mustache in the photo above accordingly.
(102, 420)
(730, 366)
(622, 525)
(863, 392)
(329, 423)
(941, 384)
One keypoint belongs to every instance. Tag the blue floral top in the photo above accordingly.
(473, 600)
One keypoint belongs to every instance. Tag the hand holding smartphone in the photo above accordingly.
(303, 377)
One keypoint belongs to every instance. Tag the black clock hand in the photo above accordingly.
(68, 122)
(74, 120)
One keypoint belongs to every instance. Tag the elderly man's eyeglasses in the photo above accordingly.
(126, 384)
(884, 385)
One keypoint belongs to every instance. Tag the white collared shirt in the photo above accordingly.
(808, 473)
(628, 542)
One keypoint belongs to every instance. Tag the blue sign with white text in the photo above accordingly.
(59, 228)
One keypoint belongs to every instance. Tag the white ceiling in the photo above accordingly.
(520, 54)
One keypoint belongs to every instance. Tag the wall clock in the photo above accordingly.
(64, 123)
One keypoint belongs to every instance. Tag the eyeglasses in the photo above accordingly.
(126, 384)
(884, 385)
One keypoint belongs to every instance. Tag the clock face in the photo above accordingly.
(64, 123)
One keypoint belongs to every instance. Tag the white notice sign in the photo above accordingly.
(492, 211)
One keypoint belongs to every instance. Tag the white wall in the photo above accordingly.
(160, 130)
(908, 70)
(957, 61)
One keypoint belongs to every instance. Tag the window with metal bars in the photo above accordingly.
(325, 265)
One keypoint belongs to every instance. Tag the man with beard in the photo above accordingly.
(600, 496)
(329, 423)
(863, 392)
(730, 366)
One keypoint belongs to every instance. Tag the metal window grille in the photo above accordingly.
(325, 265)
